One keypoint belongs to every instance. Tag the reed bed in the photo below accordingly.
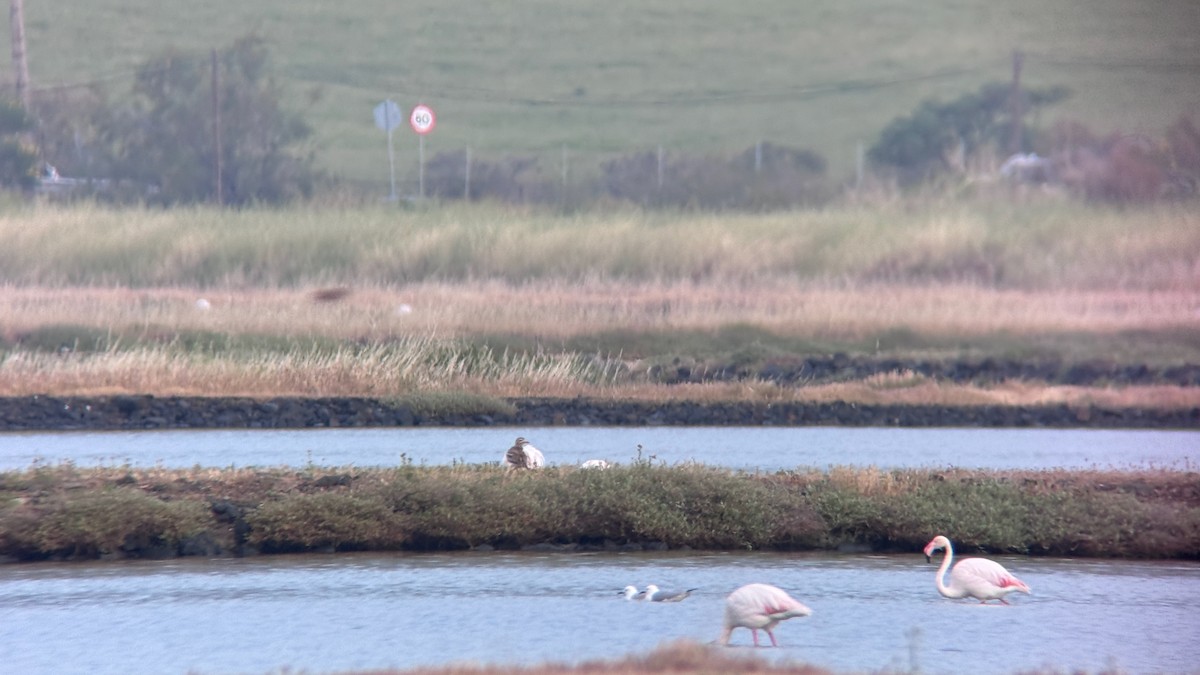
(67, 511)
(1032, 245)
(365, 301)
(557, 310)
(597, 341)
(410, 365)
(430, 366)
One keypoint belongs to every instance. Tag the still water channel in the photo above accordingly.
(337, 612)
(344, 611)
(748, 448)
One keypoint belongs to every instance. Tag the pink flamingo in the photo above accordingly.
(973, 577)
(756, 606)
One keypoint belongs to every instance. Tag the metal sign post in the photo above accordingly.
(387, 118)
(422, 121)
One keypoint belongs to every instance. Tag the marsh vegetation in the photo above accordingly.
(113, 512)
(514, 302)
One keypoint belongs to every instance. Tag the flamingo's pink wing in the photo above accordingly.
(775, 602)
(972, 573)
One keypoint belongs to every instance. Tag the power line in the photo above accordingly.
(798, 92)
(763, 95)
(1144, 64)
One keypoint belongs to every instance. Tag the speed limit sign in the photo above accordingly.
(422, 119)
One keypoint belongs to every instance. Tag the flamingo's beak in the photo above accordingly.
(928, 558)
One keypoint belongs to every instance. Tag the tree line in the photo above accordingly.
(194, 129)
(184, 116)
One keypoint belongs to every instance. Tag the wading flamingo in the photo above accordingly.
(973, 577)
(522, 455)
(656, 594)
(756, 606)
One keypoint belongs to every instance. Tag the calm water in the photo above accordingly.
(327, 613)
(330, 613)
(765, 448)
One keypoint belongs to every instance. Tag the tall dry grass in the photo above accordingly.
(413, 365)
(399, 370)
(376, 302)
(558, 310)
(1044, 245)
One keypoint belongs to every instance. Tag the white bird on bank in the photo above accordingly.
(594, 464)
(522, 455)
(756, 606)
(656, 594)
(978, 578)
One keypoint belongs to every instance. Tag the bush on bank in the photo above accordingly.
(64, 512)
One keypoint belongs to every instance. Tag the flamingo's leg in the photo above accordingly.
(754, 632)
(772, 634)
(1003, 601)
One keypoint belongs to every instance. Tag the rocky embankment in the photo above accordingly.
(175, 412)
(61, 413)
(842, 367)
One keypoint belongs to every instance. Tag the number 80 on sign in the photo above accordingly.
(422, 119)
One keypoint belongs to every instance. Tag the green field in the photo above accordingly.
(590, 79)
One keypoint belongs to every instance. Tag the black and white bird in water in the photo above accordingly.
(656, 594)
(522, 455)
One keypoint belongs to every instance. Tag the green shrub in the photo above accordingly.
(65, 511)
(91, 524)
(325, 520)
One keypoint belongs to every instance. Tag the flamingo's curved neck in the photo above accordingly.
(941, 586)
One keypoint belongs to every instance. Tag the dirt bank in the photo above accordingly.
(150, 412)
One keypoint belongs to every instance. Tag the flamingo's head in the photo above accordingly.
(937, 543)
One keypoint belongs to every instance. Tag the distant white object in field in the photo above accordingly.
(594, 464)
(203, 304)
(1030, 167)
(978, 578)
(756, 606)
(656, 594)
(522, 455)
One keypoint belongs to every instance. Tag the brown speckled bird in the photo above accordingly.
(522, 455)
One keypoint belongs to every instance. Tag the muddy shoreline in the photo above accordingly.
(66, 413)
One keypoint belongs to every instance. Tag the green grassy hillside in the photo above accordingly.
(598, 77)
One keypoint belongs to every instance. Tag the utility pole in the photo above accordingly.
(859, 166)
(216, 115)
(660, 167)
(467, 178)
(1015, 139)
(16, 20)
